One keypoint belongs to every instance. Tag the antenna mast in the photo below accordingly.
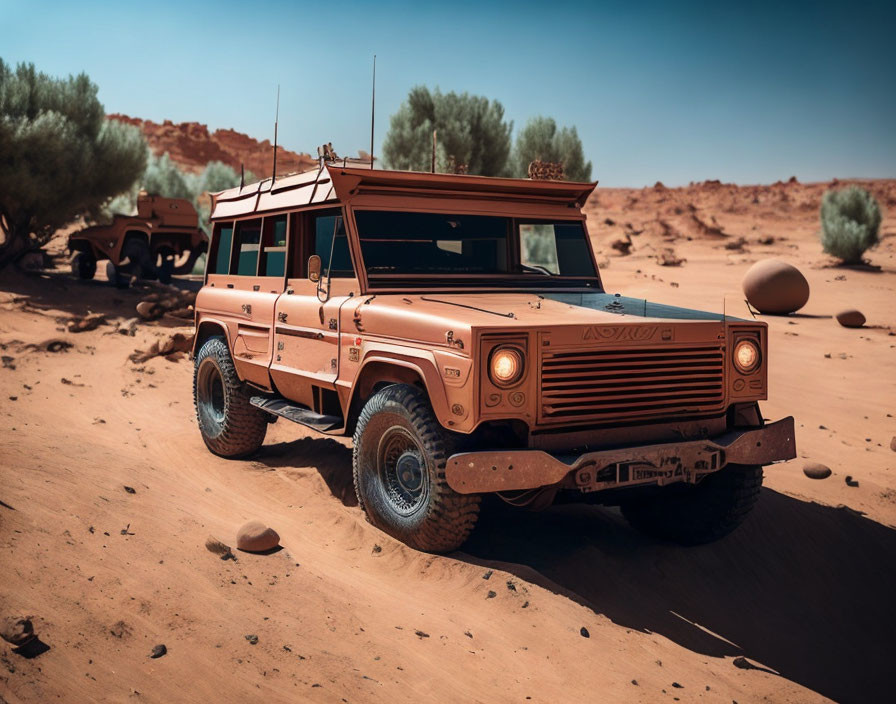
(372, 111)
(276, 120)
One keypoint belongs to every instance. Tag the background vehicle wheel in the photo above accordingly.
(230, 425)
(701, 513)
(139, 259)
(398, 464)
(117, 277)
(165, 265)
(84, 265)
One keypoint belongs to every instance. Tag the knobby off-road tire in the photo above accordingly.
(697, 514)
(230, 425)
(398, 465)
(84, 265)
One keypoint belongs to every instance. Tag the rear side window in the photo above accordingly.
(246, 244)
(221, 259)
(273, 247)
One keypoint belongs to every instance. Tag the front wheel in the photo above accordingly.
(695, 514)
(230, 425)
(398, 464)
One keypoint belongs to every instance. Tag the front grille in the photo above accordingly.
(655, 382)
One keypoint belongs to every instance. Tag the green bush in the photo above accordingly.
(471, 134)
(540, 139)
(850, 220)
(218, 176)
(59, 155)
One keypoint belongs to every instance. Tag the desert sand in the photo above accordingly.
(564, 605)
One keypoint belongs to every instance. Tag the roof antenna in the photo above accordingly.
(276, 120)
(433, 165)
(242, 175)
(372, 111)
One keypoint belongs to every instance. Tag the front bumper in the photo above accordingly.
(665, 463)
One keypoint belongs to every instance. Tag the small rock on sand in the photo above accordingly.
(17, 630)
(893, 443)
(850, 318)
(158, 651)
(816, 470)
(255, 536)
(150, 310)
(87, 323)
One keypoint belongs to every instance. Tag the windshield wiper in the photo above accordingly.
(535, 269)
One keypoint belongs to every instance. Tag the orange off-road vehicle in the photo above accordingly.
(163, 239)
(457, 327)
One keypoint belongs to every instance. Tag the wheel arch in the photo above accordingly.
(377, 373)
(207, 329)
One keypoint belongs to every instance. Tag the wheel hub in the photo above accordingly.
(409, 472)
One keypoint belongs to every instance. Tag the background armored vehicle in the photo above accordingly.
(161, 240)
(458, 328)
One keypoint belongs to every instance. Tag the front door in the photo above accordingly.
(306, 324)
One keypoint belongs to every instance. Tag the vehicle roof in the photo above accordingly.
(335, 183)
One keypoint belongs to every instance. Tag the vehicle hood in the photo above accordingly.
(430, 317)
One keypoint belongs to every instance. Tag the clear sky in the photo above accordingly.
(671, 91)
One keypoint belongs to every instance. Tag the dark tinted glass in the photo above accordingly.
(433, 243)
(248, 238)
(222, 260)
(325, 226)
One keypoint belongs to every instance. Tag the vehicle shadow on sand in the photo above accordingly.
(805, 589)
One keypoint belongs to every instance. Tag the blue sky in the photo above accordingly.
(668, 91)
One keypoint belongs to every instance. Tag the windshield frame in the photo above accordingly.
(507, 283)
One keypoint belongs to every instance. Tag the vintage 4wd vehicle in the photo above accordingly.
(164, 238)
(458, 329)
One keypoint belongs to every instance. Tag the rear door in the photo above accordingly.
(246, 297)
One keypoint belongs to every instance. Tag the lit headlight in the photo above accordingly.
(746, 356)
(506, 366)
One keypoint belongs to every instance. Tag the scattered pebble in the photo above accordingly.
(130, 490)
(252, 638)
(158, 651)
(421, 634)
(816, 470)
(488, 575)
(584, 632)
(850, 318)
(491, 595)
(17, 630)
(850, 481)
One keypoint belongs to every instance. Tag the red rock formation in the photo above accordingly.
(192, 146)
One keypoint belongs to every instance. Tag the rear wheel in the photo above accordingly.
(139, 259)
(230, 425)
(398, 465)
(165, 265)
(84, 265)
(694, 514)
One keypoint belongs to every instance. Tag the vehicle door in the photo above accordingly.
(245, 299)
(307, 327)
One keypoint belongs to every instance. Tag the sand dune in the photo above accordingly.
(344, 613)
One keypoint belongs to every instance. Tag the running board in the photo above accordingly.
(297, 414)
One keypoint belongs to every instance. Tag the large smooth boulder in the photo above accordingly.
(851, 318)
(776, 287)
(255, 536)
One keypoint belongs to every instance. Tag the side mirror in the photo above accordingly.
(314, 268)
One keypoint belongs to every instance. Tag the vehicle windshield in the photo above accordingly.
(448, 249)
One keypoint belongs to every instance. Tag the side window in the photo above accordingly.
(245, 247)
(273, 246)
(324, 228)
(220, 255)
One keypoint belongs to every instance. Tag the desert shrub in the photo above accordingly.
(218, 176)
(540, 139)
(850, 220)
(59, 156)
(163, 178)
(472, 133)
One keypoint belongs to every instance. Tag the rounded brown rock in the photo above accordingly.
(255, 536)
(816, 470)
(17, 631)
(774, 286)
(850, 318)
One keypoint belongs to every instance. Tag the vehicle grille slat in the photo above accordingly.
(594, 385)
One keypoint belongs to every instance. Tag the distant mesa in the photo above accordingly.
(775, 287)
(191, 146)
